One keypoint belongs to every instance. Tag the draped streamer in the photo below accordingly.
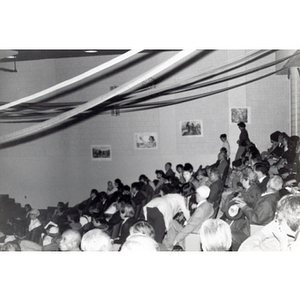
(30, 113)
(133, 84)
(71, 81)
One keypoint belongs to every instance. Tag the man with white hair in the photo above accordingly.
(139, 243)
(203, 212)
(96, 240)
(70, 240)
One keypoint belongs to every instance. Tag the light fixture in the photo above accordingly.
(91, 51)
(11, 56)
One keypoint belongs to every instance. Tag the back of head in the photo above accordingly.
(288, 210)
(275, 184)
(139, 243)
(261, 167)
(203, 191)
(215, 235)
(96, 240)
(11, 246)
(167, 189)
(142, 227)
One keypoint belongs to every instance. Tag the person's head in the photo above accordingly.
(168, 166)
(188, 189)
(110, 185)
(241, 125)
(179, 168)
(203, 192)
(288, 212)
(214, 175)
(96, 240)
(11, 246)
(142, 227)
(103, 196)
(27, 208)
(187, 172)
(249, 178)
(118, 183)
(70, 240)
(94, 193)
(34, 214)
(143, 178)
(73, 215)
(166, 189)
(139, 243)
(261, 169)
(274, 184)
(274, 137)
(135, 187)
(159, 174)
(127, 211)
(126, 190)
(223, 137)
(284, 173)
(215, 235)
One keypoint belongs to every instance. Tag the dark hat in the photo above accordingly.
(241, 124)
(233, 212)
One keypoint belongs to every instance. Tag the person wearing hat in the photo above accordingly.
(203, 212)
(35, 228)
(242, 141)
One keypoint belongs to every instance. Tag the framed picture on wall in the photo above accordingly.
(240, 114)
(146, 140)
(191, 128)
(101, 152)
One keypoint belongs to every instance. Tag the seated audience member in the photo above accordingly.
(35, 228)
(96, 240)
(147, 187)
(204, 210)
(262, 175)
(188, 175)
(215, 235)
(261, 213)
(136, 195)
(169, 171)
(119, 185)
(250, 192)
(235, 174)
(161, 177)
(59, 216)
(225, 144)
(127, 215)
(216, 189)
(111, 188)
(282, 233)
(159, 212)
(74, 219)
(144, 228)
(70, 240)
(11, 246)
(83, 207)
(189, 193)
(275, 151)
(27, 208)
(139, 243)
(179, 169)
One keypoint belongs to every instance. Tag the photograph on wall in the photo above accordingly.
(101, 152)
(238, 114)
(145, 140)
(191, 128)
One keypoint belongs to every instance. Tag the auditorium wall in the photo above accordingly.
(57, 166)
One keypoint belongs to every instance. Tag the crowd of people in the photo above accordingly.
(251, 204)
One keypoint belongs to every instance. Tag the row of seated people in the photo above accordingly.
(177, 206)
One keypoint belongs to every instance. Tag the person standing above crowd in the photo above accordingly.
(225, 144)
(242, 141)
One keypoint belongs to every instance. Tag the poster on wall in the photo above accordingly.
(101, 152)
(240, 114)
(145, 140)
(191, 128)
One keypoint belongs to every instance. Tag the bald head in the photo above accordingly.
(96, 240)
(70, 240)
